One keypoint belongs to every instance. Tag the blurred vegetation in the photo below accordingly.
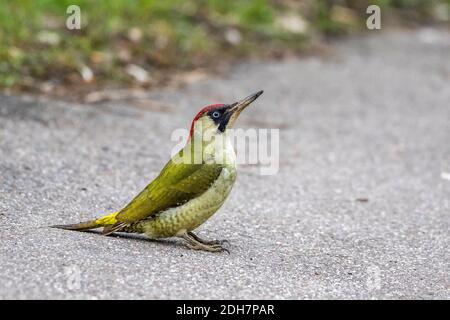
(143, 43)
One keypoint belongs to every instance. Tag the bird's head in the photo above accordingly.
(219, 117)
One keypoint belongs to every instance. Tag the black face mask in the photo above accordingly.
(221, 117)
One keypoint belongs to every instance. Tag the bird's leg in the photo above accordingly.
(194, 244)
(207, 242)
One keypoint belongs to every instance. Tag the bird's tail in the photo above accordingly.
(107, 220)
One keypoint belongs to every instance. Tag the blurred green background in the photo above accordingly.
(144, 43)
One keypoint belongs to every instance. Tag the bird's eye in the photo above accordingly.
(216, 114)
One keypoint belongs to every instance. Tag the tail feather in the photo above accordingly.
(78, 226)
(91, 224)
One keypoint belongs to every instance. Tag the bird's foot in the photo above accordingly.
(210, 248)
(207, 242)
(196, 243)
(221, 242)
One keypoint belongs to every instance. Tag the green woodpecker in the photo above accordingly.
(191, 187)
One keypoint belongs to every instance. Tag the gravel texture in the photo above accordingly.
(359, 208)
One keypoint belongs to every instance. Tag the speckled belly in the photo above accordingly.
(193, 213)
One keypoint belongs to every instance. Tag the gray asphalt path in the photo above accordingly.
(370, 121)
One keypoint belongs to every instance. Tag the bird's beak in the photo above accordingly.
(236, 108)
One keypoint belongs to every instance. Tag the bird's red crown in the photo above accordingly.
(202, 111)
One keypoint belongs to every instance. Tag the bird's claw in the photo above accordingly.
(215, 242)
(197, 243)
(210, 248)
(221, 247)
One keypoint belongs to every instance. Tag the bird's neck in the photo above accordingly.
(211, 148)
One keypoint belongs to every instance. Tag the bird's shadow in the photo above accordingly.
(137, 237)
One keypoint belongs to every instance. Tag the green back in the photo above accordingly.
(176, 184)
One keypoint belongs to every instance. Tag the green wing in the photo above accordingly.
(176, 184)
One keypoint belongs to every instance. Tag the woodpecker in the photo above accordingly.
(190, 188)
